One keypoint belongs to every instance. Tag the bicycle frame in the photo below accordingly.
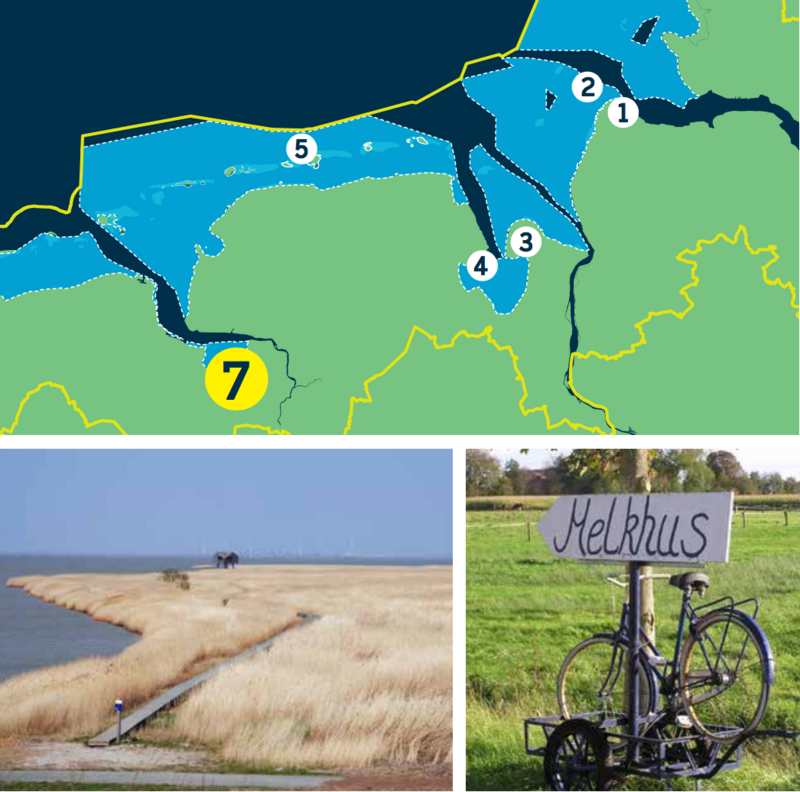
(689, 616)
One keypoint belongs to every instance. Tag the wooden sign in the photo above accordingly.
(673, 529)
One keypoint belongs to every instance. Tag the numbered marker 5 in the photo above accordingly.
(587, 87)
(526, 241)
(236, 379)
(482, 265)
(623, 112)
(301, 149)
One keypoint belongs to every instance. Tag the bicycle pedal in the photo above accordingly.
(683, 721)
(657, 661)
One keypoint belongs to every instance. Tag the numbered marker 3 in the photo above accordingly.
(482, 265)
(301, 149)
(236, 379)
(623, 112)
(587, 87)
(526, 241)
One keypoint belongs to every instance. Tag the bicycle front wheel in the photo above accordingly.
(724, 677)
(592, 679)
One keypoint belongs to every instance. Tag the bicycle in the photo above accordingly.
(718, 679)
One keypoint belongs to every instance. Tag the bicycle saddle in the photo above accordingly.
(697, 581)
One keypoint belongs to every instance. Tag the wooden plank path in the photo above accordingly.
(140, 716)
(127, 779)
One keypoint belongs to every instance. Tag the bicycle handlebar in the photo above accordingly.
(622, 582)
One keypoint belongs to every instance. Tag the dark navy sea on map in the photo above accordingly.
(35, 634)
(168, 188)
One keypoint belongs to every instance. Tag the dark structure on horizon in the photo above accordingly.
(226, 558)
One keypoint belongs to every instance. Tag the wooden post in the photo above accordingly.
(529, 529)
(744, 519)
(786, 518)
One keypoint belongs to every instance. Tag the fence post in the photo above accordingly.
(744, 519)
(529, 529)
(786, 518)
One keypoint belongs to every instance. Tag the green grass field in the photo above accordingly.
(525, 610)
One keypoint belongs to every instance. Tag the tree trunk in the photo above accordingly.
(641, 475)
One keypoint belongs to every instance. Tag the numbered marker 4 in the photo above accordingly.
(526, 241)
(301, 149)
(623, 112)
(482, 265)
(236, 379)
(587, 87)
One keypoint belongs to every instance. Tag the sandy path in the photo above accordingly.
(45, 755)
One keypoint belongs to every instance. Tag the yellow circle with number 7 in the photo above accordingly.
(236, 378)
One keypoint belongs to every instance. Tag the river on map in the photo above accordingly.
(36, 634)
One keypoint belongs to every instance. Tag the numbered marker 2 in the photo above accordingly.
(526, 241)
(482, 265)
(236, 379)
(623, 112)
(587, 87)
(301, 149)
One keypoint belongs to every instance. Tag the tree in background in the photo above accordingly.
(483, 473)
(514, 473)
(597, 470)
(728, 472)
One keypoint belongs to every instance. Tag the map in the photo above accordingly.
(594, 231)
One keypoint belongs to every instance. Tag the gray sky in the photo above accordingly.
(785, 461)
(178, 502)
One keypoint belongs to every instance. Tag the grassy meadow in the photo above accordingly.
(526, 610)
(369, 684)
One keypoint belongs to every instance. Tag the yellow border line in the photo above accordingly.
(695, 281)
(265, 128)
(267, 429)
(514, 358)
(784, 18)
(487, 333)
(70, 402)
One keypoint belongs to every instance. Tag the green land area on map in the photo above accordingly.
(383, 258)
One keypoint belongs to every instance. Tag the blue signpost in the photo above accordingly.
(118, 706)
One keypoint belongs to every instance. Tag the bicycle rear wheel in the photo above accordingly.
(592, 679)
(724, 677)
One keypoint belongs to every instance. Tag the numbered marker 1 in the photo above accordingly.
(482, 265)
(236, 379)
(526, 241)
(623, 112)
(587, 87)
(301, 149)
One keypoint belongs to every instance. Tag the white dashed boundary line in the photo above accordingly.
(142, 134)
(82, 283)
(491, 71)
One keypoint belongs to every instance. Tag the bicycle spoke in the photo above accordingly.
(741, 654)
(722, 679)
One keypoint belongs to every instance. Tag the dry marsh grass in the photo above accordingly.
(371, 683)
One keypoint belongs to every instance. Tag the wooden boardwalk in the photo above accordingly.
(140, 716)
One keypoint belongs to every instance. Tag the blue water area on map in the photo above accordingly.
(165, 219)
(511, 199)
(550, 150)
(49, 262)
(213, 349)
(506, 288)
(650, 70)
